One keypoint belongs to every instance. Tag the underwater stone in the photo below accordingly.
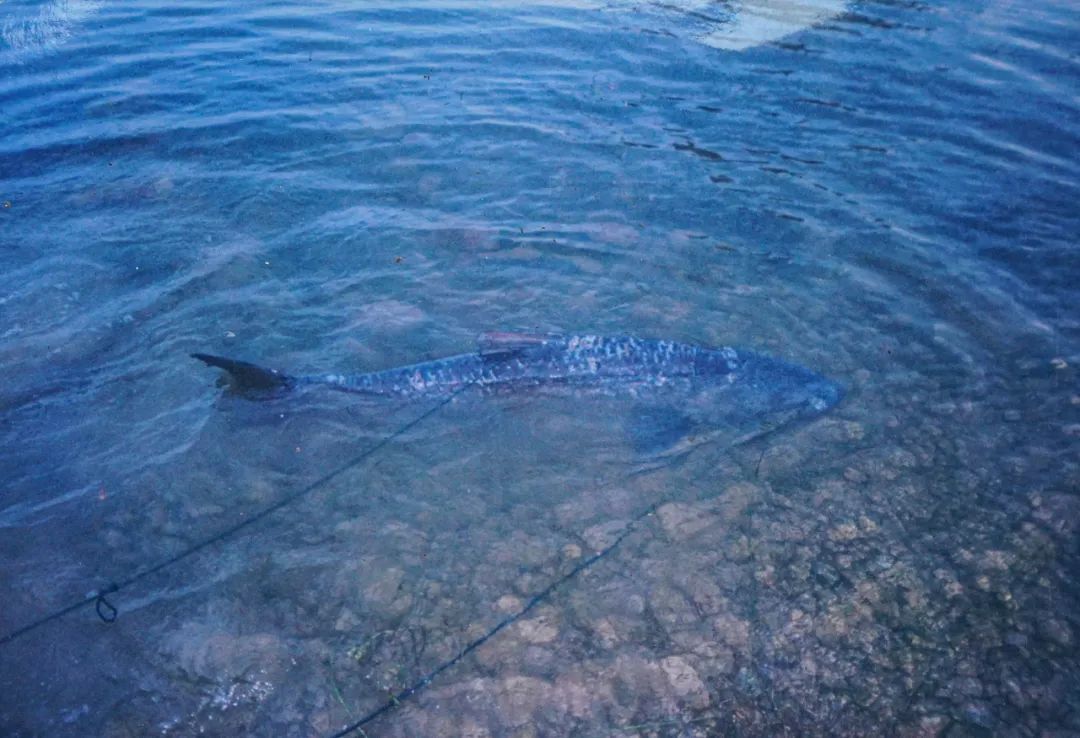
(606, 633)
(682, 520)
(930, 726)
(541, 629)
(732, 631)
(508, 604)
(1057, 631)
(581, 693)
(642, 682)
(202, 652)
(978, 713)
(706, 594)
(472, 729)
(520, 697)
(685, 682)
(853, 475)
(844, 532)
(347, 621)
(713, 659)
(1060, 513)
(602, 535)
(737, 498)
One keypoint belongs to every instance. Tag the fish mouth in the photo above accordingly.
(824, 395)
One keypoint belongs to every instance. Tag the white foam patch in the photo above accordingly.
(758, 22)
(28, 30)
(739, 24)
(732, 25)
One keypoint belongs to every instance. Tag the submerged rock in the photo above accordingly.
(732, 631)
(519, 698)
(541, 629)
(204, 652)
(683, 520)
(508, 604)
(602, 535)
(685, 682)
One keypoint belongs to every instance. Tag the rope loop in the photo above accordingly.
(105, 609)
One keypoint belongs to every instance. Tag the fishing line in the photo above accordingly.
(419, 685)
(108, 612)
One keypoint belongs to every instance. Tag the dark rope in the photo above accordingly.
(399, 697)
(396, 698)
(105, 609)
(108, 612)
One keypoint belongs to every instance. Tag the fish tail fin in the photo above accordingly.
(248, 377)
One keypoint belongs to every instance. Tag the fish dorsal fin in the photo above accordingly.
(499, 343)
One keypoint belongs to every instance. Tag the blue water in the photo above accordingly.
(887, 196)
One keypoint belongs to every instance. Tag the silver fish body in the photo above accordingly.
(726, 377)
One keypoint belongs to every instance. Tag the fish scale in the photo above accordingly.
(580, 360)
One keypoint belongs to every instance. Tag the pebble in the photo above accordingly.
(995, 559)
(825, 574)
(508, 604)
(606, 633)
(203, 653)
(1057, 631)
(930, 726)
(854, 476)
(844, 532)
(854, 431)
(540, 629)
(732, 631)
(602, 535)
(685, 682)
(472, 729)
(682, 520)
(740, 549)
(979, 714)
(347, 621)
(382, 595)
(520, 697)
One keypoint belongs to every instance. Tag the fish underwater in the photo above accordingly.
(679, 387)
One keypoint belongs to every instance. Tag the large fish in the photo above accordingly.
(694, 385)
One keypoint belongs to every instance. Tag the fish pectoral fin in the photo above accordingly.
(655, 429)
(498, 343)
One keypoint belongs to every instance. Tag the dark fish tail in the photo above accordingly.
(248, 377)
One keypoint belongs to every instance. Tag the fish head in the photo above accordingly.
(776, 387)
(746, 394)
(739, 397)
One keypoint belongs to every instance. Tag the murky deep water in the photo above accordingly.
(888, 197)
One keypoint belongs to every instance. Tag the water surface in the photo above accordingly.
(886, 196)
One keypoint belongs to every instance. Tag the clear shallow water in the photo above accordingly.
(887, 197)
